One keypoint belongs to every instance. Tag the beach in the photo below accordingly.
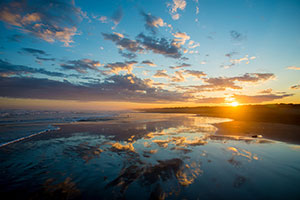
(149, 156)
(275, 121)
(274, 131)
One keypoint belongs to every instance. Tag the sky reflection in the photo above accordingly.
(158, 156)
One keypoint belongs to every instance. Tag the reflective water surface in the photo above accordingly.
(148, 156)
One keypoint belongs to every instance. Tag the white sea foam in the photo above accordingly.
(29, 136)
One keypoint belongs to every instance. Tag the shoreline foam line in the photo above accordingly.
(26, 137)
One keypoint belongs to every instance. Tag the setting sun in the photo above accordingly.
(142, 99)
(234, 104)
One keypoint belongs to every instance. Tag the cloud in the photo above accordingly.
(229, 55)
(119, 34)
(259, 98)
(193, 44)
(236, 36)
(103, 19)
(178, 77)
(124, 43)
(15, 37)
(181, 66)
(8, 70)
(148, 62)
(152, 22)
(128, 55)
(161, 74)
(177, 4)
(45, 59)
(50, 21)
(81, 66)
(266, 91)
(197, 74)
(197, 10)
(117, 67)
(160, 46)
(175, 16)
(253, 77)
(117, 17)
(237, 61)
(295, 87)
(115, 88)
(293, 67)
(34, 51)
(37, 53)
(142, 43)
(210, 100)
(180, 38)
(223, 83)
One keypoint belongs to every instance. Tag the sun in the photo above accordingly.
(234, 104)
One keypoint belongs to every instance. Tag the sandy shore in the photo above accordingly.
(275, 131)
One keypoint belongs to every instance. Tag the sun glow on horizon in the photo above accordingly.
(234, 104)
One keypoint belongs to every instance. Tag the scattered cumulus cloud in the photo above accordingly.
(117, 67)
(148, 62)
(266, 91)
(143, 43)
(34, 51)
(128, 55)
(8, 70)
(103, 19)
(223, 83)
(178, 77)
(192, 44)
(117, 17)
(180, 39)
(152, 22)
(293, 67)
(175, 6)
(159, 46)
(295, 87)
(236, 36)
(37, 53)
(234, 62)
(161, 74)
(81, 66)
(195, 73)
(15, 38)
(180, 66)
(50, 21)
(123, 43)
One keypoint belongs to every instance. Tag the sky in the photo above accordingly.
(123, 54)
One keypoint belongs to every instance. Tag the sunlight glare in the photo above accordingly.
(234, 104)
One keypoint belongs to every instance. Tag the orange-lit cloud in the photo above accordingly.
(42, 22)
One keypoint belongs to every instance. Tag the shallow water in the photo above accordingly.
(17, 124)
(148, 156)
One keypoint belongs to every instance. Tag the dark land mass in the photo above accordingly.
(273, 121)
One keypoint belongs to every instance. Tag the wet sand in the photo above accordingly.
(149, 156)
(275, 121)
(274, 131)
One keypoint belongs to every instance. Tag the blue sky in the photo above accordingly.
(200, 52)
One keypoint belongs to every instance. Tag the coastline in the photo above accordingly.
(274, 131)
(279, 122)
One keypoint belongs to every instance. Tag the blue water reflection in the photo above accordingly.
(149, 156)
